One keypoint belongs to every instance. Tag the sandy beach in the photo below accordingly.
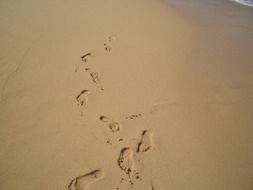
(121, 95)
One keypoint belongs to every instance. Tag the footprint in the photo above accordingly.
(111, 38)
(161, 107)
(105, 119)
(152, 186)
(95, 78)
(134, 116)
(113, 125)
(146, 143)
(82, 97)
(107, 46)
(84, 58)
(83, 182)
(126, 161)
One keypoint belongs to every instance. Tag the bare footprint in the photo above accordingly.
(161, 107)
(154, 185)
(95, 78)
(113, 125)
(105, 119)
(126, 161)
(83, 182)
(108, 46)
(146, 142)
(111, 38)
(134, 116)
(84, 58)
(82, 97)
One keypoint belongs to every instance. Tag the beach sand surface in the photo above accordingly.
(120, 95)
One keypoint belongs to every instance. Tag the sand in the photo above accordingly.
(145, 95)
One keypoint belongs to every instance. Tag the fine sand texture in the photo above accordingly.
(126, 95)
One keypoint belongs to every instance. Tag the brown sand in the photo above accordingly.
(81, 82)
